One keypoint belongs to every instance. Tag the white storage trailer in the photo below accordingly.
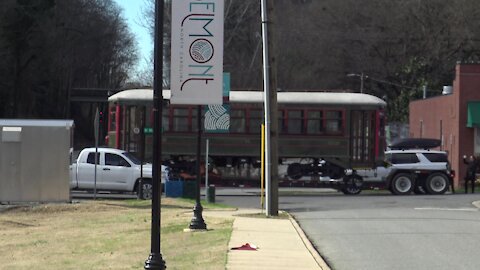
(34, 160)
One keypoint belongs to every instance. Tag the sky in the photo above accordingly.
(132, 11)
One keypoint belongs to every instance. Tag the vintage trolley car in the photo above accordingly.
(340, 129)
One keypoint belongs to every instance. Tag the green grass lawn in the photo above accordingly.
(108, 235)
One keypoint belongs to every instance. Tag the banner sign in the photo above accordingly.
(197, 52)
(217, 117)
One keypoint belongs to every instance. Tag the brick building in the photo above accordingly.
(453, 117)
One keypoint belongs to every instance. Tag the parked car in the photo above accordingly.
(117, 170)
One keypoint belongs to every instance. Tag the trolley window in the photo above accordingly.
(180, 119)
(314, 122)
(295, 121)
(113, 121)
(165, 119)
(333, 122)
(255, 121)
(237, 121)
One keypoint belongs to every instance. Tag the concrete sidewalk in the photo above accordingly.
(281, 243)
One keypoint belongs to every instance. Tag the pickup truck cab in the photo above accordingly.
(117, 170)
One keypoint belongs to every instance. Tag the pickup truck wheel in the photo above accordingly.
(437, 183)
(145, 190)
(402, 184)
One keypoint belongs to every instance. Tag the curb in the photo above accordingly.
(316, 256)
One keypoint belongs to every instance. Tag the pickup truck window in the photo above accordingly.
(132, 158)
(115, 160)
(91, 158)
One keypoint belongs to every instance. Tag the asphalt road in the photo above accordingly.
(387, 232)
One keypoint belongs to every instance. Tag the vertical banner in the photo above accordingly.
(217, 117)
(197, 52)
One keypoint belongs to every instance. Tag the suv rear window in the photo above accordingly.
(404, 158)
(436, 157)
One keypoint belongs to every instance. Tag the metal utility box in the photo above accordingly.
(35, 160)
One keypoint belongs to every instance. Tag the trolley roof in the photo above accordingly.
(145, 96)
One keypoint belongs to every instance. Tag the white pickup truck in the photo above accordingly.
(117, 170)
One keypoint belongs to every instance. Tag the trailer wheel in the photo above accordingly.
(145, 190)
(402, 184)
(437, 183)
(353, 185)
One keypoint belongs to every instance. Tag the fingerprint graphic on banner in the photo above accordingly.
(217, 118)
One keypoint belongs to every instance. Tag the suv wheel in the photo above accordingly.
(437, 183)
(402, 184)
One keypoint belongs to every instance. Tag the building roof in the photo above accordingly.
(36, 123)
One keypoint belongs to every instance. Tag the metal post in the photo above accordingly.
(96, 125)
(271, 127)
(361, 83)
(143, 116)
(155, 260)
(206, 167)
(197, 222)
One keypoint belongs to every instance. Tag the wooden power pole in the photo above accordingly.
(271, 113)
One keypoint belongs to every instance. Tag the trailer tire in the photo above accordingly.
(402, 184)
(437, 183)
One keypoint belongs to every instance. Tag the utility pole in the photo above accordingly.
(271, 122)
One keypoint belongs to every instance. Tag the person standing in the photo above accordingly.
(472, 167)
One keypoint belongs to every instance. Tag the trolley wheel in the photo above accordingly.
(294, 171)
(353, 185)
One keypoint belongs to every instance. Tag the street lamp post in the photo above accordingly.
(362, 77)
(155, 260)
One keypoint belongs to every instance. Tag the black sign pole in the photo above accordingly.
(197, 222)
(155, 260)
